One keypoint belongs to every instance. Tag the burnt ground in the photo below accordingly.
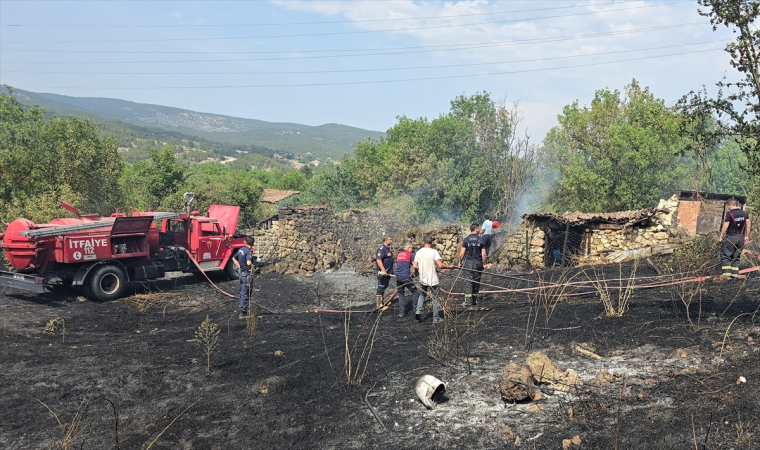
(134, 365)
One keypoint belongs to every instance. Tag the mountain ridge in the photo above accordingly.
(326, 141)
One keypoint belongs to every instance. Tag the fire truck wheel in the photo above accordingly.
(231, 270)
(107, 283)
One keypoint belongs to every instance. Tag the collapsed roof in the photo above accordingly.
(581, 219)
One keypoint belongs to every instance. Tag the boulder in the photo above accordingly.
(542, 368)
(544, 371)
(515, 383)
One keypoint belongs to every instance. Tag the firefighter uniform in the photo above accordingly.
(404, 281)
(244, 258)
(473, 260)
(385, 255)
(733, 243)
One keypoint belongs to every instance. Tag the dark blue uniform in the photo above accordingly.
(733, 243)
(473, 260)
(244, 257)
(404, 281)
(385, 255)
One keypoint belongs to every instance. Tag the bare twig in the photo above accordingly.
(170, 424)
(620, 404)
(374, 413)
(725, 336)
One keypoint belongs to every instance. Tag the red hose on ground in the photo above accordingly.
(221, 291)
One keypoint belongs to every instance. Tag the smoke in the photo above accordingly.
(533, 197)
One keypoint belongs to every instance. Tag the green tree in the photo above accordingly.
(734, 113)
(307, 171)
(460, 165)
(620, 153)
(61, 159)
(294, 180)
(218, 184)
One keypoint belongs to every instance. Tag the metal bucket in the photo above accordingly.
(428, 386)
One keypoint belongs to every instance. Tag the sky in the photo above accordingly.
(358, 63)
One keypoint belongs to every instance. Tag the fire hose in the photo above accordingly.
(221, 291)
(585, 284)
(499, 289)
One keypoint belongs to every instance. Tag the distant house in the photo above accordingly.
(275, 196)
(272, 199)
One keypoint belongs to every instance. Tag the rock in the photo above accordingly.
(603, 378)
(542, 368)
(535, 408)
(566, 443)
(506, 432)
(576, 440)
(567, 380)
(683, 353)
(515, 383)
(585, 350)
(661, 235)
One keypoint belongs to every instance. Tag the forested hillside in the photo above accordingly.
(230, 133)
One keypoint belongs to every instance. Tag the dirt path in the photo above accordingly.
(286, 386)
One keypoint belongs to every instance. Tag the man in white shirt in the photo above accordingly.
(486, 231)
(426, 261)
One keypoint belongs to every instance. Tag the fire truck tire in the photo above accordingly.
(87, 291)
(106, 283)
(231, 270)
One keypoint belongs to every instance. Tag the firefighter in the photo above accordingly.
(384, 261)
(404, 281)
(471, 258)
(244, 261)
(733, 235)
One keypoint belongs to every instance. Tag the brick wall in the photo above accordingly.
(687, 215)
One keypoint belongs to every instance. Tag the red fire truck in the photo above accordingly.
(99, 255)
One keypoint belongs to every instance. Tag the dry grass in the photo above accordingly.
(252, 319)
(551, 288)
(358, 349)
(449, 340)
(55, 325)
(690, 261)
(71, 433)
(616, 294)
(207, 338)
(148, 301)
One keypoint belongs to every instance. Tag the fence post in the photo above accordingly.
(564, 245)
(527, 248)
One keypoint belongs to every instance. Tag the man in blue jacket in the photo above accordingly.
(404, 281)
(243, 259)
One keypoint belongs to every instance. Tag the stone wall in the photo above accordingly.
(513, 250)
(314, 239)
(660, 231)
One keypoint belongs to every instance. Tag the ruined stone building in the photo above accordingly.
(545, 240)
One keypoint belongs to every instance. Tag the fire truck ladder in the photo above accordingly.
(55, 231)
